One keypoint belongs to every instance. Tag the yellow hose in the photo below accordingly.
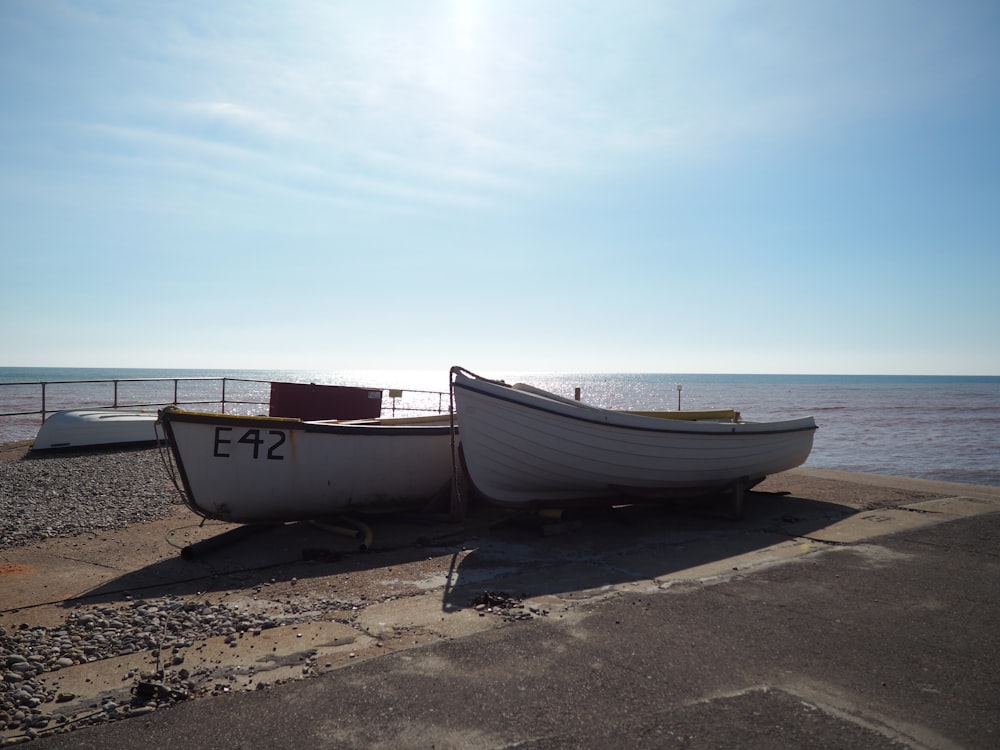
(349, 527)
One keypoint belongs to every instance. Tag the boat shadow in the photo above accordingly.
(584, 554)
(574, 556)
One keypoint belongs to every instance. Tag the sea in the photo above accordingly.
(932, 427)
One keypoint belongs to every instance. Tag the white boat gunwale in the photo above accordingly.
(634, 421)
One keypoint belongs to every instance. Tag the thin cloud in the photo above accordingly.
(253, 119)
(250, 172)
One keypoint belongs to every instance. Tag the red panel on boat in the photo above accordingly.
(309, 401)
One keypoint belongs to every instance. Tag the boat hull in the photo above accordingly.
(521, 448)
(274, 470)
(84, 428)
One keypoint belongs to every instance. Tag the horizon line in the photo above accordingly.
(506, 370)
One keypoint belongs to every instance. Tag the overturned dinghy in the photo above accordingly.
(523, 446)
(278, 470)
(85, 428)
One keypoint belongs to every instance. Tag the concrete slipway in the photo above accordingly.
(842, 611)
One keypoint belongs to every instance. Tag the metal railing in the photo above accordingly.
(26, 405)
(45, 387)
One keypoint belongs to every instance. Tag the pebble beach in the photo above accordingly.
(64, 495)
(71, 494)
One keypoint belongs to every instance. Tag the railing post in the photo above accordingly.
(223, 395)
(114, 402)
(43, 402)
(175, 391)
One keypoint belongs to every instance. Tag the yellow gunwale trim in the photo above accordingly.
(691, 416)
(173, 411)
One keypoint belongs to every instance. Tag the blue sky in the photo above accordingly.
(787, 187)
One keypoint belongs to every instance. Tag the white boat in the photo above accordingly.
(277, 470)
(84, 428)
(523, 446)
